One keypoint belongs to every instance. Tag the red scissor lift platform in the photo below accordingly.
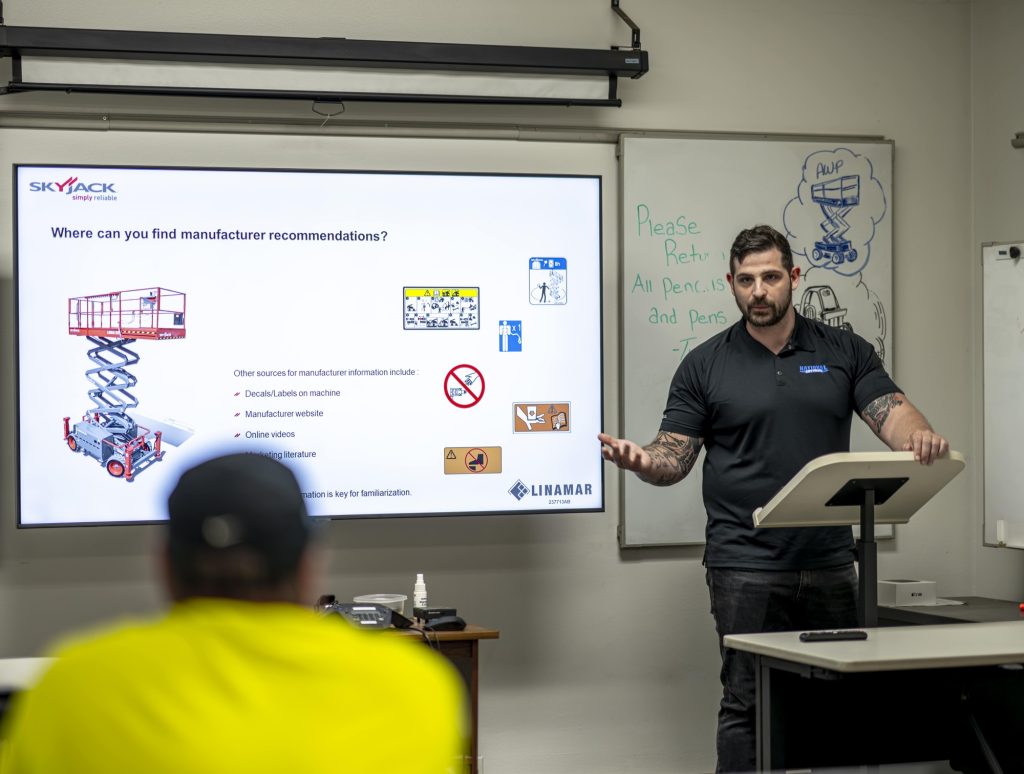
(112, 321)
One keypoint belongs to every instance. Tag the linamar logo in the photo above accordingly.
(520, 490)
(72, 186)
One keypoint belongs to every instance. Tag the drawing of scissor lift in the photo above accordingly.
(112, 321)
(836, 198)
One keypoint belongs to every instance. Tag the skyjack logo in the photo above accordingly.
(72, 186)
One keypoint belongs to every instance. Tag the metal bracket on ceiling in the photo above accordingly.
(635, 42)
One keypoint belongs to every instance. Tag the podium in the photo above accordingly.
(864, 488)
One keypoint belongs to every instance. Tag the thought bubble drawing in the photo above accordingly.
(831, 220)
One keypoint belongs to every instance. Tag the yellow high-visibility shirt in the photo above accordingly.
(225, 686)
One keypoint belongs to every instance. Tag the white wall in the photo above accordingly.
(607, 660)
(997, 168)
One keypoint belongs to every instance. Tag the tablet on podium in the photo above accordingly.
(864, 488)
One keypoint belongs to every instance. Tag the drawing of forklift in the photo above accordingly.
(819, 303)
(836, 198)
(111, 322)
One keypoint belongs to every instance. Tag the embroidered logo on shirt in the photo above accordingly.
(814, 369)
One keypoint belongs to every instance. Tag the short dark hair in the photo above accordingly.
(759, 239)
(237, 528)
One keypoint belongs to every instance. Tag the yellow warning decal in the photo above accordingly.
(472, 459)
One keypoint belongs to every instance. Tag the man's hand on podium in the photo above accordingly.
(901, 427)
(927, 446)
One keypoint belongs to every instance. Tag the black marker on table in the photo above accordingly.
(825, 635)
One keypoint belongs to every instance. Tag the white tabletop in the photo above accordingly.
(897, 647)
(801, 502)
(20, 673)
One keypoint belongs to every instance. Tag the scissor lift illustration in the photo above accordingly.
(836, 198)
(112, 321)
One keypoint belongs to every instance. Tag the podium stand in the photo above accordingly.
(864, 488)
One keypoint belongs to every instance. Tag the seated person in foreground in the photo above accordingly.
(239, 675)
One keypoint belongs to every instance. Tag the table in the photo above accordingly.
(16, 674)
(907, 693)
(463, 650)
(973, 610)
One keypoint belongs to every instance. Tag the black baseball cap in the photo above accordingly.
(239, 500)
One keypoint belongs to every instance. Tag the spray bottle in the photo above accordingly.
(419, 592)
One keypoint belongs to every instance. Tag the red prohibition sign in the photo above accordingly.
(476, 460)
(465, 390)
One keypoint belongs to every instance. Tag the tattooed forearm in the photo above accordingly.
(673, 457)
(878, 410)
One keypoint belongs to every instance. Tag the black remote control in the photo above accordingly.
(833, 634)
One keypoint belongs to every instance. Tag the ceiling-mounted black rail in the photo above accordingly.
(25, 42)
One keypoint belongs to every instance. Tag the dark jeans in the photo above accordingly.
(746, 601)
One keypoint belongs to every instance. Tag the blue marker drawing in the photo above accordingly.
(548, 280)
(841, 186)
(510, 335)
(831, 222)
(836, 198)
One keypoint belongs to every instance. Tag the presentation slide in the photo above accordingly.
(410, 344)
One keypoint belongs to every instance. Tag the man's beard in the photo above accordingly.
(770, 315)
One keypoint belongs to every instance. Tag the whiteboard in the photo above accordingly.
(684, 199)
(1003, 280)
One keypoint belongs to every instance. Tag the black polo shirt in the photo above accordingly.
(763, 417)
